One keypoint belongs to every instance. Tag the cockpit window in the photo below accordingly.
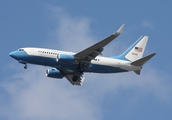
(21, 49)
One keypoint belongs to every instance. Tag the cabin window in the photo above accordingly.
(20, 49)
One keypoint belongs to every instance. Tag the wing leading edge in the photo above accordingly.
(84, 57)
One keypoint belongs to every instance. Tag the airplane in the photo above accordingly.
(73, 65)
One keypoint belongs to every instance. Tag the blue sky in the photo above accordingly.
(73, 26)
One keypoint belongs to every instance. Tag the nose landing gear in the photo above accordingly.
(25, 67)
(25, 64)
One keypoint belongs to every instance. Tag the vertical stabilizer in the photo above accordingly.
(136, 50)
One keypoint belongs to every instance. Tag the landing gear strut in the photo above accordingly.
(25, 64)
(25, 67)
(80, 69)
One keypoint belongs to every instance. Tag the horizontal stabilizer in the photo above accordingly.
(137, 72)
(143, 60)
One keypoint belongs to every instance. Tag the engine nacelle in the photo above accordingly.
(54, 73)
(65, 58)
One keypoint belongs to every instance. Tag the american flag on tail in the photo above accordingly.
(138, 49)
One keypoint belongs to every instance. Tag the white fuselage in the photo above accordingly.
(100, 64)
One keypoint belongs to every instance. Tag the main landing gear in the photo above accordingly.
(75, 78)
(80, 69)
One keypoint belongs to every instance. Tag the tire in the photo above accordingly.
(75, 78)
(25, 67)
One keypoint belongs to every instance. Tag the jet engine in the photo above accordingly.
(54, 73)
(65, 58)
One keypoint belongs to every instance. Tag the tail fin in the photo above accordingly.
(136, 50)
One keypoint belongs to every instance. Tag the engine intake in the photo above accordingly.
(54, 73)
(65, 58)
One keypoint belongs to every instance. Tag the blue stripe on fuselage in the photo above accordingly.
(104, 69)
(46, 61)
(39, 60)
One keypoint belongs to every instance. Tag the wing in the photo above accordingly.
(84, 57)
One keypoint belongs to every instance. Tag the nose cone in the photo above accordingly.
(18, 55)
(12, 54)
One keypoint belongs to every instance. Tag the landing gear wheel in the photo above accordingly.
(25, 67)
(75, 78)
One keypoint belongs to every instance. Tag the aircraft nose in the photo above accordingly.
(12, 54)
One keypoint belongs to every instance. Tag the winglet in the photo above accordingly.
(119, 31)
